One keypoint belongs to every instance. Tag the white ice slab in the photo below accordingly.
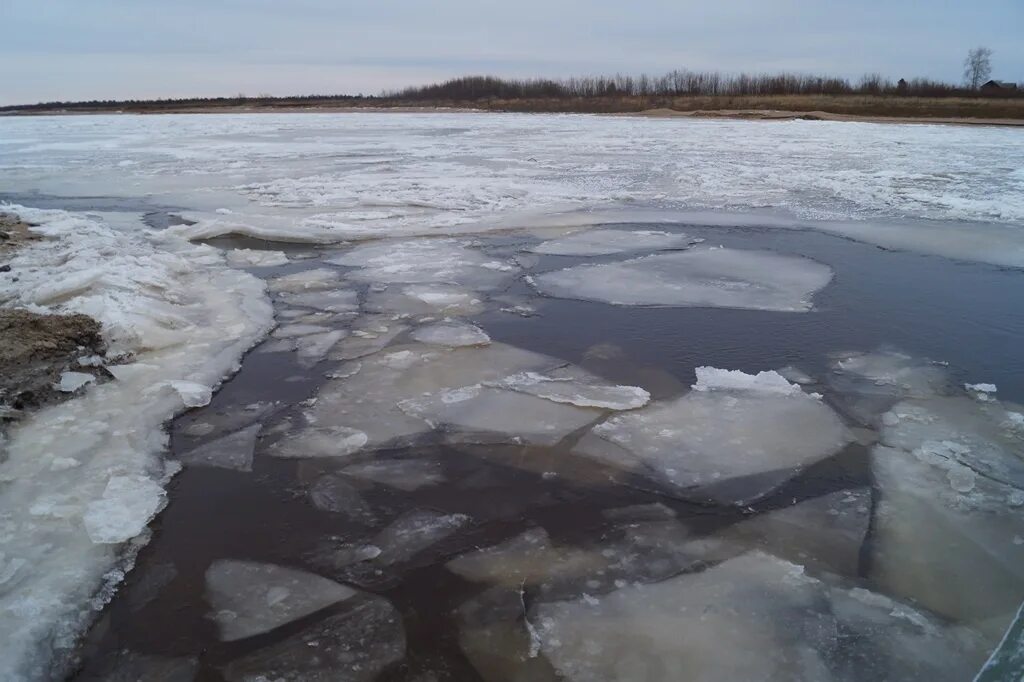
(717, 278)
(431, 261)
(608, 241)
(233, 451)
(451, 333)
(575, 388)
(415, 531)
(250, 598)
(255, 258)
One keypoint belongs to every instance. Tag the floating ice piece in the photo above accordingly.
(192, 394)
(475, 412)
(233, 451)
(528, 558)
(825, 532)
(601, 242)
(714, 379)
(413, 532)
(404, 474)
(452, 334)
(289, 331)
(332, 493)
(432, 261)
(951, 483)
(367, 334)
(321, 441)
(330, 300)
(984, 391)
(225, 420)
(127, 505)
(72, 381)
(720, 278)
(250, 598)
(356, 645)
(425, 299)
(581, 390)
(775, 622)
(728, 444)
(796, 375)
(306, 280)
(255, 258)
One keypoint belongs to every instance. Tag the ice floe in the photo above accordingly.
(607, 241)
(413, 532)
(451, 334)
(332, 493)
(575, 388)
(250, 598)
(72, 381)
(233, 451)
(433, 261)
(403, 474)
(254, 258)
(734, 438)
(720, 278)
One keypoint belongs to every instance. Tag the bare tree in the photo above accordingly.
(977, 67)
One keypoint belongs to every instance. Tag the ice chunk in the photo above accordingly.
(825, 532)
(528, 558)
(233, 451)
(404, 474)
(127, 505)
(332, 493)
(330, 300)
(796, 375)
(722, 278)
(306, 280)
(425, 299)
(255, 258)
(368, 334)
(356, 645)
(72, 381)
(224, 420)
(250, 598)
(452, 334)
(714, 379)
(433, 261)
(774, 621)
(727, 444)
(321, 441)
(581, 390)
(981, 388)
(479, 413)
(607, 241)
(290, 331)
(951, 486)
(192, 394)
(1007, 661)
(413, 532)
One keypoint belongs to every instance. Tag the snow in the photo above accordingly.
(604, 242)
(67, 503)
(250, 598)
(255, 258)
(775, 621)
(735, 443)
(72, 381)
(233, 451)
(720, 277)
(452, 334)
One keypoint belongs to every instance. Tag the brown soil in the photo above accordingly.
(13, 234)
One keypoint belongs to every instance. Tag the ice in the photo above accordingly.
(233, 451)
(127, 505)
(213, 422)
(1007, 661)
(72, 381)
(330, 300)
(576, 388)
(413, 532)
(367, 334)
(476, 412)
(254, 258)
(451, 333)
(250, 598)
(433, 261)
(309, 344)
(403, 474)
(608, 241)
(129, 666)
(332, 493)
(796, 375)
(774, 621)
(425, 299)
(306, 280)
(186, 319)
(720, 278)
(981, 388)
(870, 383)
(728, 444)
(825, 532)
(356, 645)
(951, 484)
(529, 558)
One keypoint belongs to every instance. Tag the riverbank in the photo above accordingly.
(877, 109)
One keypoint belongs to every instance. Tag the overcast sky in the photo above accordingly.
(100, 49)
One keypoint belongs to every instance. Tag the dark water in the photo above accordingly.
(969, 315)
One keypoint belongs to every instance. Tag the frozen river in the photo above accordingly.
(526, 397)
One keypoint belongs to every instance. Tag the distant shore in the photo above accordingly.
(879, 109)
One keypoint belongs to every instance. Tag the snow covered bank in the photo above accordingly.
(79, 481)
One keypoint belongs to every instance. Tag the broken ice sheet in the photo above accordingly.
(451, 333)
(127, 505)
(869, 384)
(599, 242)
(720, 278)
(773, 621)
(241, 258)
(577, 388)
(233, 451)
(355, 645)
(306, 280)
(72, 381)
(433, 261)
(731, 444)
(403, 474)
(425, 299)
(413, 532)
(332, 493)
(250, 598)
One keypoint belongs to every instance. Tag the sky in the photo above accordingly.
(63, 50)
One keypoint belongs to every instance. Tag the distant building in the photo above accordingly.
(901, 86)
(998, 86)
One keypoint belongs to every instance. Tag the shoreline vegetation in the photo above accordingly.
(679, 93)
